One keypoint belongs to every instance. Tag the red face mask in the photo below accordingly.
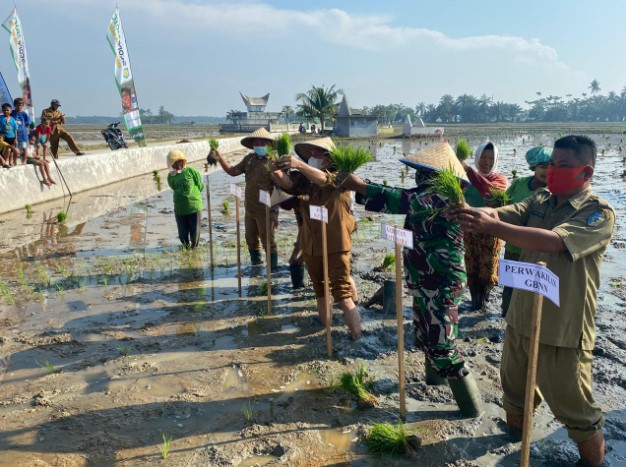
(564, 179)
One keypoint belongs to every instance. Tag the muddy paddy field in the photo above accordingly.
(112, 338)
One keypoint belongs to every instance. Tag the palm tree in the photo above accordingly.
(594, 86)
(319, 102)
(287, 112)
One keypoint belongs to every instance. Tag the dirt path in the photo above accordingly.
(110, 338)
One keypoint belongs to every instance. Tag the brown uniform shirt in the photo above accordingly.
(585, 223)
(340, 222)
(55, 117)
(257, 174)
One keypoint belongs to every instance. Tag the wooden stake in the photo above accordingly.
(208, 208)
(237, 216)
(400, 318)
(531, 376)
(268, 258)
(329, 339)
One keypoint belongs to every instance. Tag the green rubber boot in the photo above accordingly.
(274, 260)
(431, 376)
(255, 257)
(467, 396)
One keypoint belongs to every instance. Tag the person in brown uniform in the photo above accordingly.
(312, 177)
(56, 119)
(256, 168)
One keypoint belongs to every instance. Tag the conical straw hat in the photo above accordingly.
(439, 156)
(261, 133)
(304, 149)
(175, 156)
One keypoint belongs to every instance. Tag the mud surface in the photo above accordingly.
(111, 337)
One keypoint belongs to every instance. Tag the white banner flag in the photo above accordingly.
(17, 43)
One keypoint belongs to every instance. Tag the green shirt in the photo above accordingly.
(518, 191)
(187, 187)
(585, 223)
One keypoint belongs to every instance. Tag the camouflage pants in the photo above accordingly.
(436, 317)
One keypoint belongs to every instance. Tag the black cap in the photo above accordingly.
(55, 102)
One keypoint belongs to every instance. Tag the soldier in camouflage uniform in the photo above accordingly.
(434, 269)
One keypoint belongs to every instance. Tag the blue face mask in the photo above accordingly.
(260, 150)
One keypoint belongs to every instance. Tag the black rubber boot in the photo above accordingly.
(432, 378)
(466, 394)
(255, 257)
(297, 275)
(274, 260)
(474, 296)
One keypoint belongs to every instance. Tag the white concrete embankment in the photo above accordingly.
(21, 185)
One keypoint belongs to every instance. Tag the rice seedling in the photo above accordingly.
(155, 174)
(348, 159)
(499, 198)
(47, 365)
(248, 412)
(385, 182)
(514, 174)
(29, 208)
(44, 277)
(210, 158)
(167, 443)
(463, 150)
(263, 288)
(225, 207)
(283, 144)
(5, 293)
(61, 217)
(389, 260)
(357, 385)
(385, 438)
(125, 350)
(447, 184)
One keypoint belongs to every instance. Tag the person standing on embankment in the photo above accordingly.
(57, 119)
(569, 228)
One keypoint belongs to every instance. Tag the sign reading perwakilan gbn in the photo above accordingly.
(124, 79)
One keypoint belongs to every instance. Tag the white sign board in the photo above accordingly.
(319, 213)
(235, 190)
(531, 277)
(396, 235)
(265, 198)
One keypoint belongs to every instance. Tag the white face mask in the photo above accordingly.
(315, 162)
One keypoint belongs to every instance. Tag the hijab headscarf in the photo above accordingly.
(479, 152)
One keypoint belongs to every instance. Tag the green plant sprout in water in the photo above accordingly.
(61, 217)
(358, 386)
(384, 438)
(263, 288)
(514, 174)
(225, 207)
(248, 412)
(125, 350)
(348, 159)
(167, 443)
(283, 144)
(389, 260)
(447, 184)
(29, 208)
(47, 365)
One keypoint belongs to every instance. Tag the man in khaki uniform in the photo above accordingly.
(256, 168)
(313, 179)
(569, 229)
(56, 118)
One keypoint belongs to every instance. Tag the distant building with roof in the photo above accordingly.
(254, 118)
(352, 123)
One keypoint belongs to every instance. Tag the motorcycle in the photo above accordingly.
(113, 137)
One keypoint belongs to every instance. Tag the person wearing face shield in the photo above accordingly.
(256, 168)
(311, 176)
(569, 228)
(433, 269)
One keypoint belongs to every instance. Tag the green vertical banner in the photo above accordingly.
(17, 43)
(124, 79)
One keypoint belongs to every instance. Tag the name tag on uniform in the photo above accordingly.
(319, 213)
(265, 198)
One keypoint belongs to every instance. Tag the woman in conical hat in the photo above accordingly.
(482, 250)
(310, 175)
(255, 166)
(433, 269)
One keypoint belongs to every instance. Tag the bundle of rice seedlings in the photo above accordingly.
(349, 158)
(499, 198)
(447, 184)
(283, 144)
(210, 158)
(356, 385)
(384, 438)
(463, 150)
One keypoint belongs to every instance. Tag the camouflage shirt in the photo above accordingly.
(436, 260)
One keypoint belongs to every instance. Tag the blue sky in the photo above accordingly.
(194, 56)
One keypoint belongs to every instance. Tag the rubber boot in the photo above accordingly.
(297, 275)
(466, 394)
(515, 426)
(431, 376)
(255, 257)
(474, 296)
(274, 260)
(592, 451)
